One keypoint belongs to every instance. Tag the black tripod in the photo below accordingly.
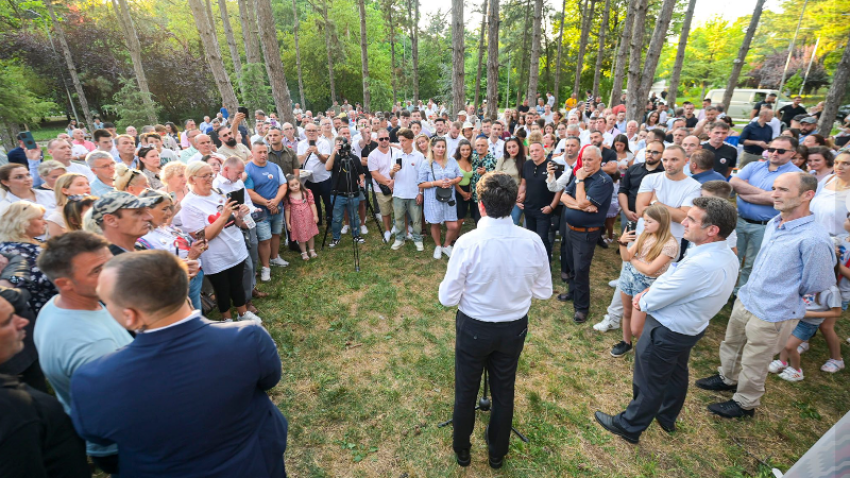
(484, 405)
(345, 171)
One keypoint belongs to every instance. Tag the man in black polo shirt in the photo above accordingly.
(609, 157)
(537, 201)
(790, 111)
(725, 155)
(755, 137)
(587, 199)
(690, 119)
(630, 183)
(770, 100)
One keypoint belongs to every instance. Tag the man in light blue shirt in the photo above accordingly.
(755, 202)
(679, 308)
(797, 257)
(73, 328)
(103, 167)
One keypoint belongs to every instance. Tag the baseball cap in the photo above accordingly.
(809, 119)
(112, 201)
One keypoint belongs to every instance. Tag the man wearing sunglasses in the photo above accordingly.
(380, 161)
(754, 184)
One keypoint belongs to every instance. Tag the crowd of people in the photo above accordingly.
(112, 246)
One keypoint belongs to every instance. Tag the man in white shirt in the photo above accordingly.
(547, 114)
(495, 144)
(679, 306)
(407, 197)
(453, 138)
(380, 162)
(60, 149)
(204, 144)
(262, 129)
(492, 275)
(312, 154)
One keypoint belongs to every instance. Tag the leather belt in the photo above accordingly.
(761, 223)
(583, 229)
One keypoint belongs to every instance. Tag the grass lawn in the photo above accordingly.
(368, 373)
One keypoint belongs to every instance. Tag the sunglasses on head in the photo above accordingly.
(777, 150)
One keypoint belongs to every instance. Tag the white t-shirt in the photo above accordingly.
(451, 144)
(319, 173)
(671, 193)
(382, 163)
(497, 149)
(79, 150)
(225, 250)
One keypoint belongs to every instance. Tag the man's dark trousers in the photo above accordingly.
(579, 254)
(323, 190)
(496, 345)
(540, 222)
(660, 381)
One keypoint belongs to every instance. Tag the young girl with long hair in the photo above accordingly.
(301, 216)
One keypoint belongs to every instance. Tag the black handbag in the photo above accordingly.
(443, 194)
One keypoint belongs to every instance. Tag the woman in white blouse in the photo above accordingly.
(16, 184)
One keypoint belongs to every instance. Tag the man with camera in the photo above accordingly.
(493, 273)
(347, 179)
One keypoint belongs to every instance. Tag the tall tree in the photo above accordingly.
(458, 50)
(122, 11)
(742, 55)
(364, 56)
(586, 19)
(480, 54)
(600, 54)
(391, 23)
(274, 65)
(413, 18)
(250, 35)
(295, 27)
(534, 68)
(212, 52)
(523, 56)
(328, 35)
(634, 106)
(623, 53)
(558, 61)
(673, 89)
(493, 61)
(656, 43)
(231, 43)
(840, 79)
(72, 69)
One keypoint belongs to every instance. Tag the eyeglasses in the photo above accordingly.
(654, 153)
(206, 177)
(777, 150)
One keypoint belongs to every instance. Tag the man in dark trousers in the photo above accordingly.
(493, 274)
(587, 198)
(679, 306)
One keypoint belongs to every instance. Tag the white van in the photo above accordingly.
(744, 99)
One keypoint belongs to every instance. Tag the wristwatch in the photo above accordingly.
(579, 181)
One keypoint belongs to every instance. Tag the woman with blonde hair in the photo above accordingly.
(130, 180)
(174, 177)
(422, 144)
(649, 256)
(20, 226)
(440, 171)
(69, 184)
(49, 171)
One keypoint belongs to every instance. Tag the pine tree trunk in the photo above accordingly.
(840, 78)
(458, 50)
(600, 54)
(413, 16)
(212, 51)
(250, 35)
(493, 61)
(622, 54)
(558, 61)
(135, 50)
(327, 24)
(656, 43)
(231, 43)
(519, 90)
(635, 104)
(673, 88)
(742, 55)
(72, 69)
(480, 56)
(364, 56)
(534, 67)
(274, 65)
(391, 23)
(295, 27)
(586, 21)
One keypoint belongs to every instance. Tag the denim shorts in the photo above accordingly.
(633, 282)
(273, 224)
(804, 330)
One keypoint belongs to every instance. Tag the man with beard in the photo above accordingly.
(229, 145)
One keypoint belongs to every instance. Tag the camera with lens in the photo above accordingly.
(344, 148)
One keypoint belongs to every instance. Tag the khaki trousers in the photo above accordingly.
(747, 158)
(745, 353)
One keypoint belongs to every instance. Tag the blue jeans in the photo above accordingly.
(516, 215)
(749, 245)
(341, 203)
(195, 289)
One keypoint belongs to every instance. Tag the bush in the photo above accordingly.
(131, 106)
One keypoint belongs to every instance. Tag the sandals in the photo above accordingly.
(313, 253)
(305, 256)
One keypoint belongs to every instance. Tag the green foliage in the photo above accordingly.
(257, 94)
(18, 102)
(130, 106)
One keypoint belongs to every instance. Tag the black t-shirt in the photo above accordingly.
(364, 153)
(789, 112)
(537, 195)
(393, 134)
(691, 122)
(608, 155)
(758, 106)
(725, 157)
(630, 182)
(523, 108)
(348, 183)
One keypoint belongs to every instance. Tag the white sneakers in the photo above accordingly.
(387, 236)
(419, 246)
(438, 253)
(345, 229)
(447, 251)
(364, 229)
(278, 262)
(777, 366)
(791, 375)
(832, 366)
(398, 244)
(265, 274)
(248, 315)
(607, 324)
(613, 283)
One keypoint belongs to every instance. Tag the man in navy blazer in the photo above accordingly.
(187, 398)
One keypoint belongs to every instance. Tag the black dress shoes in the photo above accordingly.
(607, 422)
(715, 383)
(730, 409)
(565, 297)
(463, 458)
(580, 317)
(666, 428)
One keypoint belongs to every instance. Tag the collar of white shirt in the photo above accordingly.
(194, 314)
